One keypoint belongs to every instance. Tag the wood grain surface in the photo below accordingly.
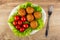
(54, 30)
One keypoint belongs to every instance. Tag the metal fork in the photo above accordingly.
(50, 9)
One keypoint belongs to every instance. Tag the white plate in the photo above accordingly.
(43, 16)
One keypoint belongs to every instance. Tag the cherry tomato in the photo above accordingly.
(14, 22)
(16, 18)
(25, 26)
(23, 19)
(19, 22)
(22, 29)
(18, 27)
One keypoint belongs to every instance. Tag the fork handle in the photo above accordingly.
(47, 27)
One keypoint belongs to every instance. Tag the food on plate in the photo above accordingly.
(37, 15)
(25, 26)
(22, 12)
(33, 24)
(25, 19)
(18, 27)
(30, 18)
(14, 22)
(16, 18)
(19, 22)
(22, 29)
(29, 10)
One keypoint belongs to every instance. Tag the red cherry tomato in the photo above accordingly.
(16, 18)
(22, 29)
(19, 22)
(18, 27)
(23, 19)
(25, 26)
(14, 22)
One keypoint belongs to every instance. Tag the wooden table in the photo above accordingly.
(54, 30)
